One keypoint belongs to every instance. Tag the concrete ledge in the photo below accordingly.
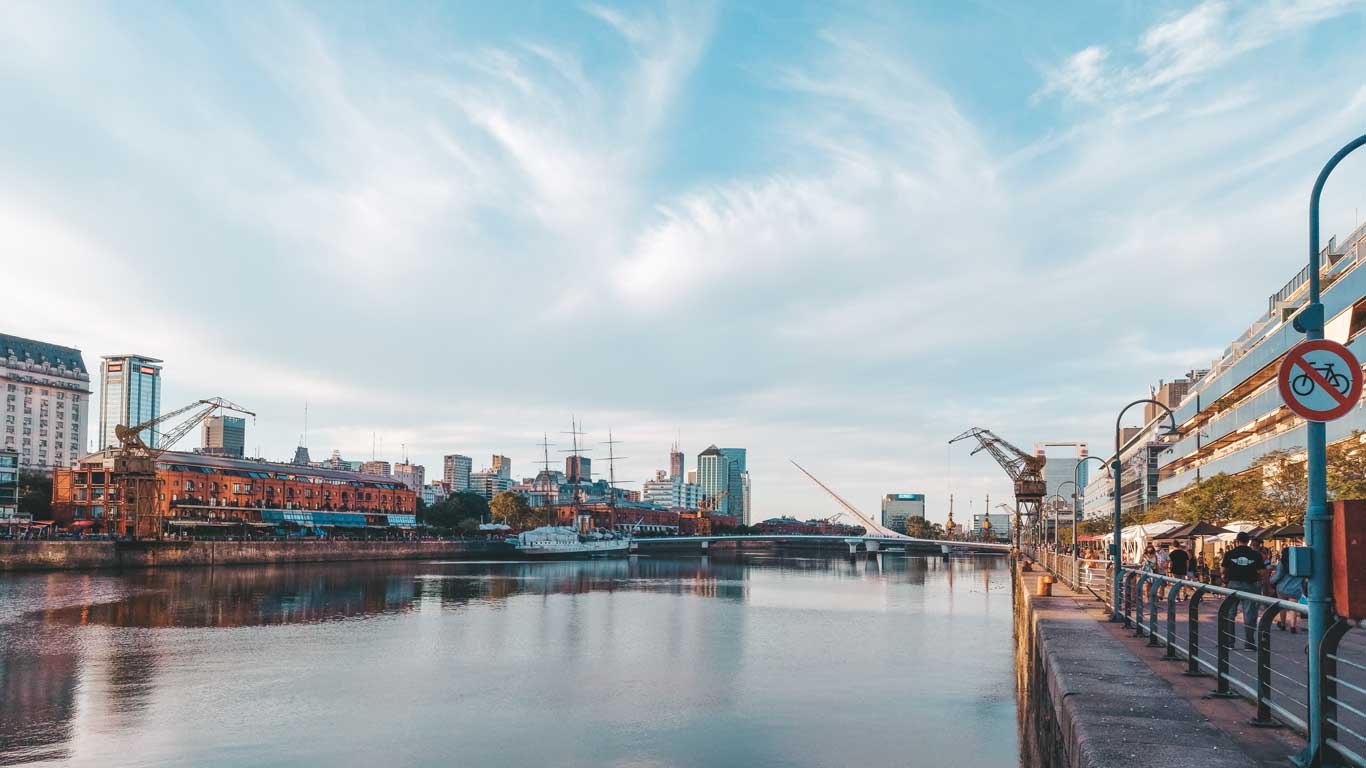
(1086, 701)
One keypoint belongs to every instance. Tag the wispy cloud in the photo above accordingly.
(1186, 48)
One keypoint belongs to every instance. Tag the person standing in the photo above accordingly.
(1163, 567)
(1243, 567)
(1180, 561)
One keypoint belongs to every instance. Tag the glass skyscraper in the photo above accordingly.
(130, 393)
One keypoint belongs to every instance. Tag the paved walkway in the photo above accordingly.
(1126, 707)
(1288, 669)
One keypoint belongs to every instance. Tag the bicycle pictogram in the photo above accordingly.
(1304, 385)
(1320, 380)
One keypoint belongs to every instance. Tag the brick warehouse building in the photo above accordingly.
(198, 491)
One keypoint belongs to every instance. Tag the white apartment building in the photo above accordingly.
(47, 402)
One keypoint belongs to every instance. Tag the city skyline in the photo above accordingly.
(584, 197)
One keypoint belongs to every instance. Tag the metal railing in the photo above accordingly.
(1080, 573)
(1205, 636)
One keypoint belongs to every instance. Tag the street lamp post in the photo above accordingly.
(1117, 582)
(1043, 521)
(1076, 510)
(1061, 485)
(1316, 518)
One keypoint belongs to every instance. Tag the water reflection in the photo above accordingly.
(645, 644)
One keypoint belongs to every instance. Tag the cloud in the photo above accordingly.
(1186, 48)
(451, 236)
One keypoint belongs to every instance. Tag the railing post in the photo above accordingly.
(1154, 586)
(1328, 691)
(1129, 579)
(1138, 604)
(1263, 718)
(1173, 590)
(1228, 611)
(1193, 635)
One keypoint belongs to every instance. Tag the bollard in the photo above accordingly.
(1044, 587)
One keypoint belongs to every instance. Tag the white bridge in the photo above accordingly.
(891, 543)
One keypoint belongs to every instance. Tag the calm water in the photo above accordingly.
(646, 662)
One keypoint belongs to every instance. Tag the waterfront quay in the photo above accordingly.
(1094, 693)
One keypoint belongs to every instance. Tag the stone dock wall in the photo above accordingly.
(77, 555)
(1085, 700)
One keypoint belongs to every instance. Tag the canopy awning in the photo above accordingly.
(1191, 531)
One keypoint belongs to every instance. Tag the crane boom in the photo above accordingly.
(872, 525)
(130, 438)
(1025, 471)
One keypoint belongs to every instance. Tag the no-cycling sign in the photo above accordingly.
(1320, 380)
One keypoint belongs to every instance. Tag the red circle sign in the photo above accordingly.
(1320, 380)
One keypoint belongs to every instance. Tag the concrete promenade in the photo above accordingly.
(1091, 694)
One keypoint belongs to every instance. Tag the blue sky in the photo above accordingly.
(840, 233)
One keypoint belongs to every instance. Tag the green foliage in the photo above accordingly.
(514, 510)
(920, 528)
(35, 495)
(455, 510)
(1223, 498)
(1347, 468)
(1285, 489)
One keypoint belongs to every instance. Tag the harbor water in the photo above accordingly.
(760, 661)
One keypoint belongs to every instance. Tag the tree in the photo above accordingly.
(920, 528)
(1347, 468)
(452, 511)
(1285, 489)
(513, 509)
(1222, 498)
(35, 495)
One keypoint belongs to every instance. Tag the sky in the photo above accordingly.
(835, 233)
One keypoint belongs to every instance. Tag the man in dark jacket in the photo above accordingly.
(1243, 568)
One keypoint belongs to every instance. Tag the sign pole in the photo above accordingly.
(1317, 520)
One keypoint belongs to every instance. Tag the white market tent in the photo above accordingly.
(1134, 539)
(1234, 529)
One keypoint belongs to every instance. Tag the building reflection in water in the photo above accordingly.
(90, 657)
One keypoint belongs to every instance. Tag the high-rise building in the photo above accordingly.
(412, 475)
(502, 466)
(692, 476)
(713, 477)
(225, 436)
(301, 456)
(47, 399)
(130, 394)
(659, 491)
(748, 518)
(897, 508)
(677, 462)
(456, 471)
(378, 468)
(736, 484)
(578, 469)
(489, 484)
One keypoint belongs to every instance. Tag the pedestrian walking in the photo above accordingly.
(1290, 588)
(1243, 567)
